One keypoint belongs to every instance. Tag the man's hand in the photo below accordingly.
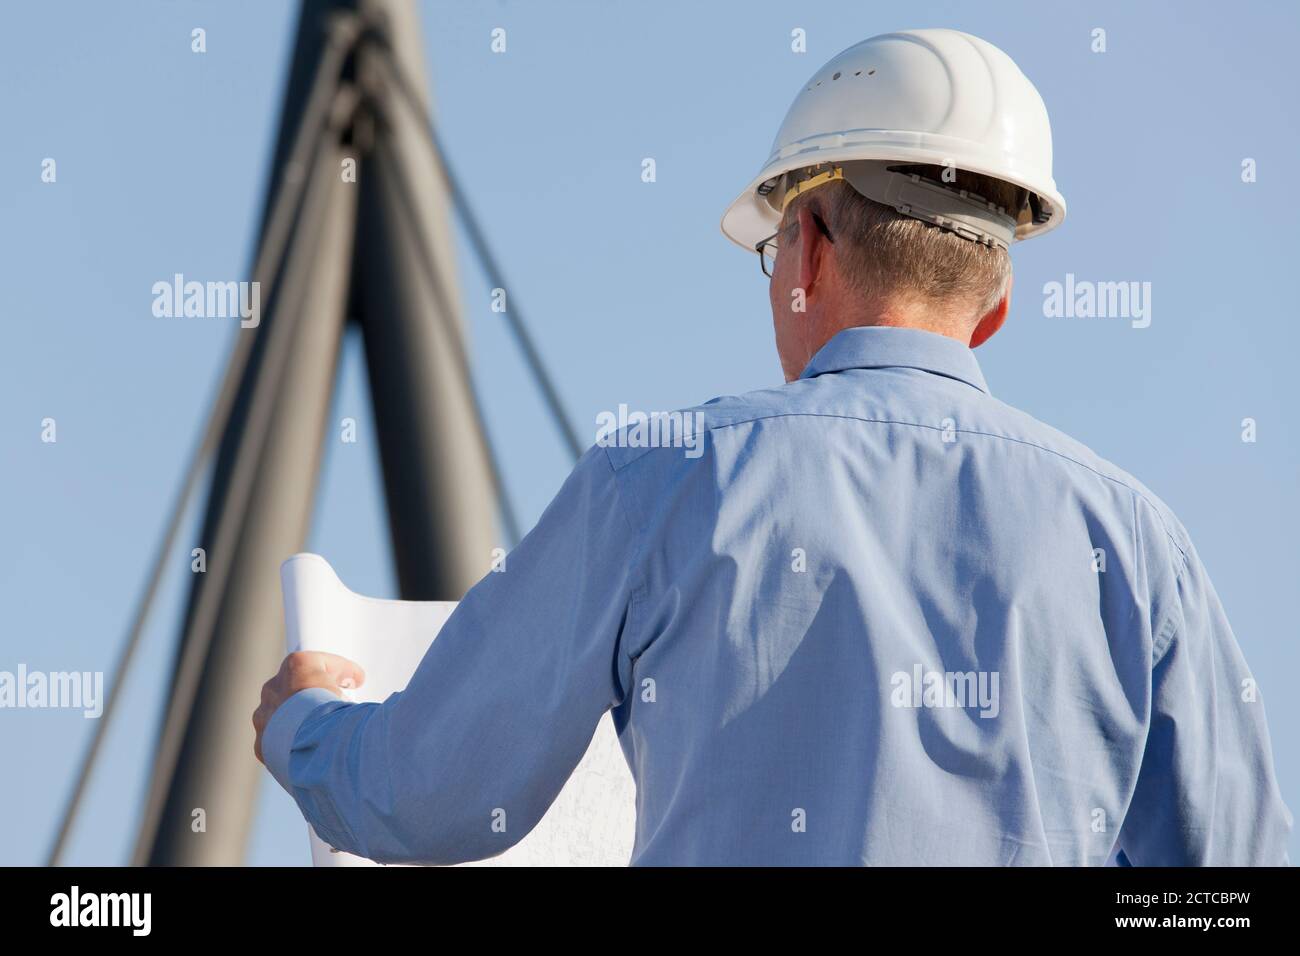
(300, 671)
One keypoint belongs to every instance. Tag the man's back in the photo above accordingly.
(872, 616)
(888, 619)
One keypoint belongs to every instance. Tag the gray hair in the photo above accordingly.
(885, 254)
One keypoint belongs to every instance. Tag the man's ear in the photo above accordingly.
(812, 250)
(992, 321)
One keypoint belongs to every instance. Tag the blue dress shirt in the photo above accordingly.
(872, 616)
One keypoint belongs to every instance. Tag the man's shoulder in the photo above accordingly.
(629, 435)
(1070, 454)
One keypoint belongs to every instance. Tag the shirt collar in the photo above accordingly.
(878, 346)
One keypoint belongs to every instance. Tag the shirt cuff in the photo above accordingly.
(277, 738)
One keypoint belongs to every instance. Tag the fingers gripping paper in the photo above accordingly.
(591, 823)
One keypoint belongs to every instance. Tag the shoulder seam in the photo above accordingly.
(639, 587)
(634, 527)
(1164, 635)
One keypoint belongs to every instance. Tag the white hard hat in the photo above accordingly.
(933, 97)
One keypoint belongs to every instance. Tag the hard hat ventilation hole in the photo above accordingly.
(835, 77)
(858, 73)
(871, 72)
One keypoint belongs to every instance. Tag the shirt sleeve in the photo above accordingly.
(464, 762)
(1206, 793)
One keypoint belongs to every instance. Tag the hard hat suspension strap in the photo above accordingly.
(803, 186)
(958, 211)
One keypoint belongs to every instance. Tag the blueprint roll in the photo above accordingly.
(593, 820)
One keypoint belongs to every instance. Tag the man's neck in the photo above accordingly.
(898, 314)
(825, 323)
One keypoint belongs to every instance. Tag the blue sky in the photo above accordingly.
(632, 292)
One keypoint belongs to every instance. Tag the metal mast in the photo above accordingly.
(378, 249)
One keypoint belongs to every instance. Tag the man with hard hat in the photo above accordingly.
(882, 618)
